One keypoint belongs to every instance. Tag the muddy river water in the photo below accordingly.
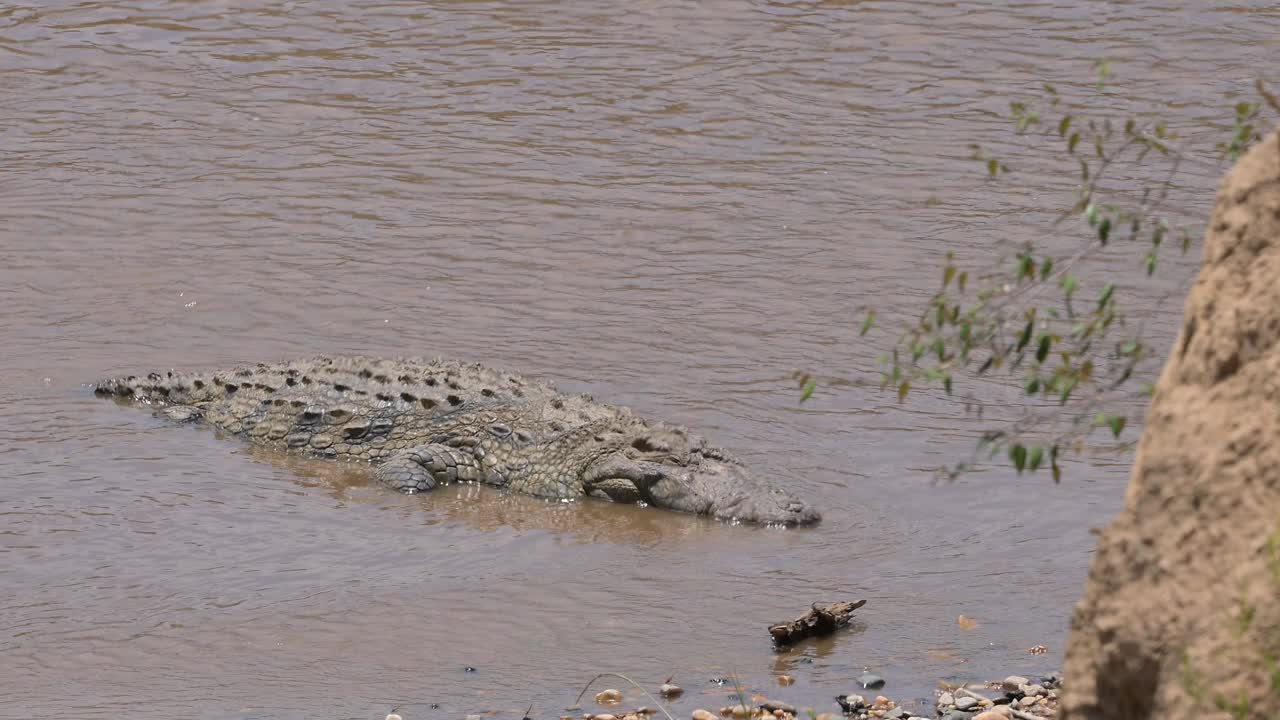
(670, 205)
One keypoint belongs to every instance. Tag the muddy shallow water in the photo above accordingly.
(670, 205)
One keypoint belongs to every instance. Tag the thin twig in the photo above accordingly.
(1267, 95)
(633, 682)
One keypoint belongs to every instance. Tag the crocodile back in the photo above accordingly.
(352, 407)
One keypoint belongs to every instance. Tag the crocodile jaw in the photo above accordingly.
(703, 485)
(728, 491)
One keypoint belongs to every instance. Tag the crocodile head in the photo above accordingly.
(667, 467)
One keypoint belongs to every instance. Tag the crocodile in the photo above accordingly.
(424, 423)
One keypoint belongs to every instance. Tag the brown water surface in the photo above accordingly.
(668, 204)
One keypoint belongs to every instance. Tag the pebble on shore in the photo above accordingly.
(1021, 699)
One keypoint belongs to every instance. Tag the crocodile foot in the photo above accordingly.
(426, 467)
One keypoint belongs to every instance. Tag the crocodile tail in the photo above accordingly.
(169, 387)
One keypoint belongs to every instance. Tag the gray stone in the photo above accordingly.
(1034, 690)
(851, 702)
(957, 715)
(1013, 683)
(966, 703)
(897, 714)
(947, 699)
(871, 682)
(772, 705)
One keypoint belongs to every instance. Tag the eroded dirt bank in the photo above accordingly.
(1180, 615)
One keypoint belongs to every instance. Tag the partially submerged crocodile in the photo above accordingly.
(426, 423)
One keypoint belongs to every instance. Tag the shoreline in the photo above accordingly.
(1016, 697)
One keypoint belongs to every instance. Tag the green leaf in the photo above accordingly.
(903, 389)
(1042, 352)
(1069, 285)
(1073, 142)
(807, 391)
(940, 349)
(1104, 230)
(948, 274)
(962, 281)
(1018, 454)
(1025, 337)
(1063, 125)
(946, 383)
(1151, 264)
(1157, 235)
(1065, 393)
(1128, 126)
(1046, 268)
(1033, 386)
(1104, 72)
(1115, 422)
(866, 324)
(1105, 298)
(1026, 267)
(1053, 462)
(1117, 425)
(993, 166)
(1091, 214)
(1037, 457)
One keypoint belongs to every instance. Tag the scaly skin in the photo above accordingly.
(425, 423)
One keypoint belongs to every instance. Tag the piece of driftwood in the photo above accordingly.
(820, 620)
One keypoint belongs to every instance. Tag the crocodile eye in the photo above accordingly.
(499, 430)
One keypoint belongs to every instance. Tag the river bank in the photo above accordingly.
(1016, 697)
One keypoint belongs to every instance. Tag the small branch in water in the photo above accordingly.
(1269, 96)
(820, 620)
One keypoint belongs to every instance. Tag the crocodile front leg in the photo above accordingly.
(425, 467)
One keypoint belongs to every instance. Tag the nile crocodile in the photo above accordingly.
(426, 423)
